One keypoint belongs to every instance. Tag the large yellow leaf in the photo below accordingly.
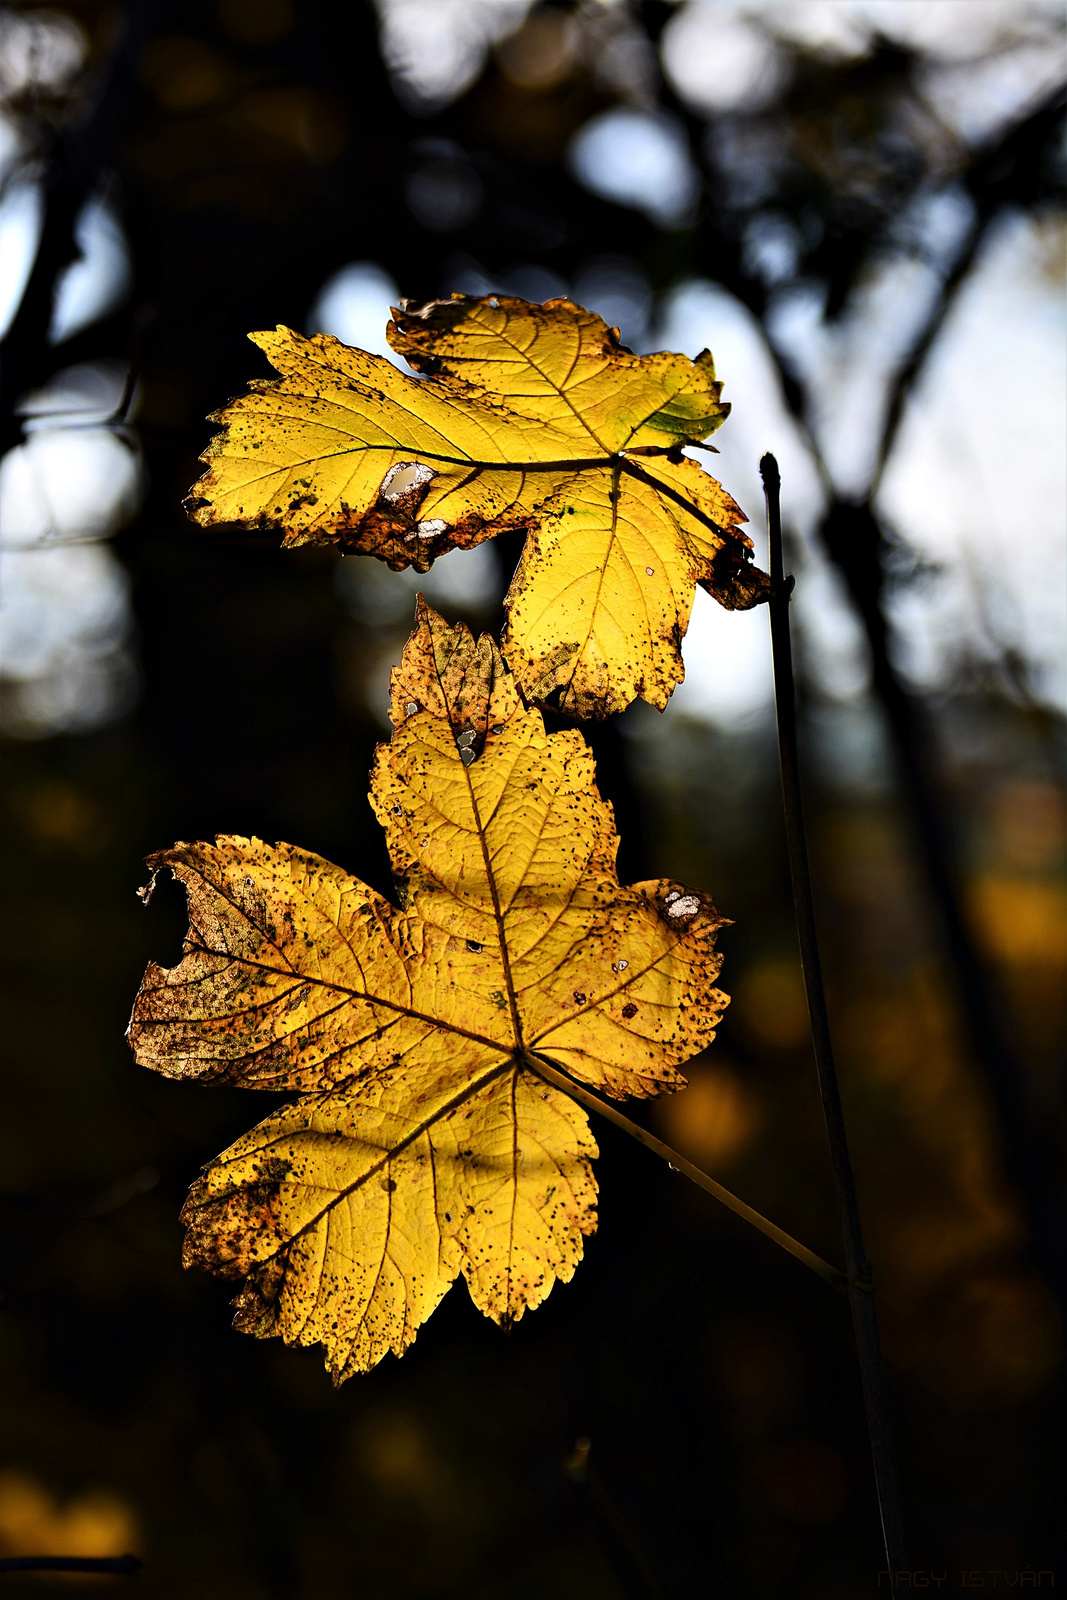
(349, 1215)
(425, 1144)
(524, 417)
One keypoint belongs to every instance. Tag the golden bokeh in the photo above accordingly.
(256, 21)
(715, 1119)
(993, 1339)
(55, 813)
(394, 1452)
(770, 1003)
(35, 1522)
(542, 52)
(1021, 919)
(186, 74)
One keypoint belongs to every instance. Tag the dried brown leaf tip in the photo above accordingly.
(422, 1144)
(527, 418)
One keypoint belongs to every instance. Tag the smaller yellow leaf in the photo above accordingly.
(709, 520)
(563, 366)
(527, 418)
(343, 447)
(601, 599)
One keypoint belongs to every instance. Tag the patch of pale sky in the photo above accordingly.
(637, 158)
(719, 60)
(99, 280)
(727, 654)
(846, 365)
(976, 98)
(64, 597)
(723, 55)
(42, 50)
(64, 484)
(54, 601)
(984, 60)
(21, 219)
(976, 483)
(64, 619)
(75, 476)
(90, 288)
(353, 304)
(434, 51)
(984, 432)
(954, 30)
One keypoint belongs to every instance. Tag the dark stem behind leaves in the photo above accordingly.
(860, 1288)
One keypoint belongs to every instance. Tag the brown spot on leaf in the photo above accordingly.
(734, 581)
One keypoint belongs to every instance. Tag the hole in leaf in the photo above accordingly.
(403, 477)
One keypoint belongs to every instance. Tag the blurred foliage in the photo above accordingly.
(261, 145)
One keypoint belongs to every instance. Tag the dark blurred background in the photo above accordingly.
(859, 206)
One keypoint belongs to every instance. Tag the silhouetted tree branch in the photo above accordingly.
(1014, 169)
(121, 1566)
(74, 169)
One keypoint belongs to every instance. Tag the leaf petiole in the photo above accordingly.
(551, 1074)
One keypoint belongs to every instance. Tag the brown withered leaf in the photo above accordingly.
(423, 1143)
(524, 417)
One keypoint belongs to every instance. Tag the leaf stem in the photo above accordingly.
(551, 1074)
(860, 1286)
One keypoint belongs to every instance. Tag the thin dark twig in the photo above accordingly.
(121, 1566)
(860, 1286)
(1010, 170)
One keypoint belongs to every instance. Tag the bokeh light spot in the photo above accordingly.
(33, 1521)
(256, 21)
(771, 1003)
(637, 158)
(714, 1119)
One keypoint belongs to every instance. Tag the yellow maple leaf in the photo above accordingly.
(524, 417)
(424, 1143)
